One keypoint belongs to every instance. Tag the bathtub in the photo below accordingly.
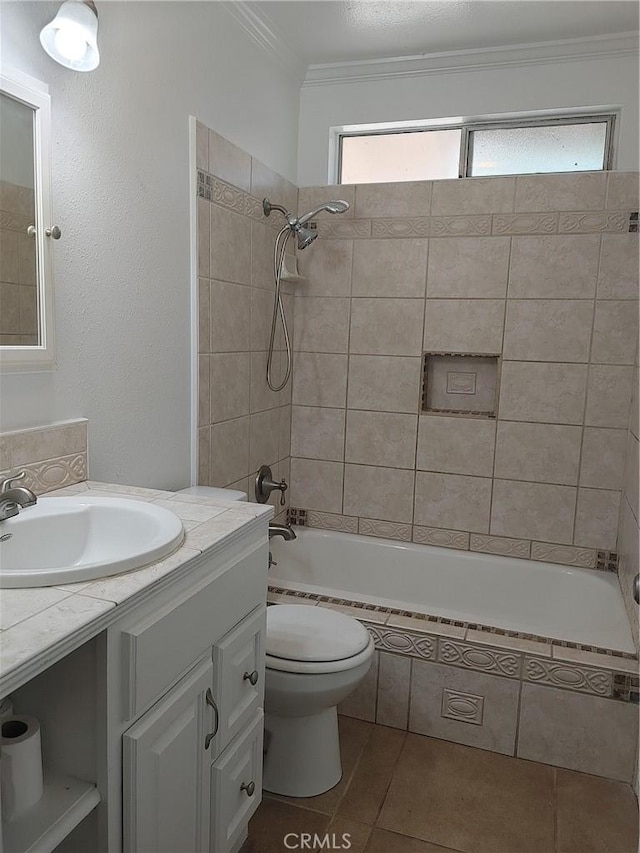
(581, 606)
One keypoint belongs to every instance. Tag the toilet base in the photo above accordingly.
(302, 754)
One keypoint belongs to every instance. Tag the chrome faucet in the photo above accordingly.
(14, 498)
(285, 530)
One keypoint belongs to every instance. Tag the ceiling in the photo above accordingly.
(326, 31)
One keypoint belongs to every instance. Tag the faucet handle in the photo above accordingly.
(8, 482)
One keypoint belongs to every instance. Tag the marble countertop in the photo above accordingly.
(40, 622)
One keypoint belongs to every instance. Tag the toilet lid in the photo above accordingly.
(306, 633)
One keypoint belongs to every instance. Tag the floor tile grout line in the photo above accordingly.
(391, 778)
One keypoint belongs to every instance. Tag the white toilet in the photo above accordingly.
(315, 658)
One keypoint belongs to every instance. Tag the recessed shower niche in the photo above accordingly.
(456, 384)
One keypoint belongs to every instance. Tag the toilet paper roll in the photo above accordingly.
(20, 765)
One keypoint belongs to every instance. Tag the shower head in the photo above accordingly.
(337, 206)
(306, 237)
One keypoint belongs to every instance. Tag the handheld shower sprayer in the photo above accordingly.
(306, 236)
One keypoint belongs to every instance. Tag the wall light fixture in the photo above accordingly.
(72, 37)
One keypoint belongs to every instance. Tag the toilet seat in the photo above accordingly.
(308, 639)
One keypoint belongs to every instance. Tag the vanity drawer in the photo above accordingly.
(238, 662)
(158, 649)
(236, 780)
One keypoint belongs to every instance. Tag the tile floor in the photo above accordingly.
(406, 793)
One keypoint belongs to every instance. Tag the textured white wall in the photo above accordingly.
(121, 197)
(558, 85)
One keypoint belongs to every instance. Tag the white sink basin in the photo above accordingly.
(65, 540)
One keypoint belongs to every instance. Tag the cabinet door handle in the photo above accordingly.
(250, 788)
(212, 704)
(251, 677)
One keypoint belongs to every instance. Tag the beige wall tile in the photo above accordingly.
(204, 449)
(311, 197)
(533, 511)
(266, 182)
(608, 396)
(229, 458)
(544, 453)
(319, 379)
(284, 446)
(407, 198)
(261, 313)
(561, 192)
(441, 538)
(35, 445)
(386, 326)
(468, 267)
(618, 273)
(361, 704)
(384, 383)
(584, 733)
(230, 382)
(381, 437)
(321, 325)
(452, 501)
(264, 441)
(318, 433)
(326, 267)
(204, 236)
(603, 454)
(263, 238)
(632, 466)
(456, 445)
(554, 267)
(464, 325)
(261, 397)
(493, 701)
(394, 680)
(615, 333)
(389, 267)
(229, 258)
(472, 195)
(204, 391)
(316, 485)
(373, 492)
(597, 519)
(548, 330)
(230, 306)
(10, 305)
(202, 147)
(551, 393)
(204, 318)
(622, 191)
(229, 162)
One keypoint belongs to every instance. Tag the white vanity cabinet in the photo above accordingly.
(191, 698)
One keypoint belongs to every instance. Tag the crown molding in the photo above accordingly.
(451, 62)
(261, 32)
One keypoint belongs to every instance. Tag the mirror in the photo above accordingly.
(26, 286)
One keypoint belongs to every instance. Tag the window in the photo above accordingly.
(475, 148)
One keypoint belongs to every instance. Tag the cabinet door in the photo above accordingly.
(236, 780)
(239, 676)
(166, 783)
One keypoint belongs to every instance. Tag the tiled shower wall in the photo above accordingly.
(629, 532)
(242, 423)
(18, 292)
(540, 270)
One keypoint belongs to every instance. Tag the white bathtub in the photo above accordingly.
(579, 605)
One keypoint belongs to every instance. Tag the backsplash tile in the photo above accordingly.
(53, 456)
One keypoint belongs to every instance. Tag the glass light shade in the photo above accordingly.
(72, 37)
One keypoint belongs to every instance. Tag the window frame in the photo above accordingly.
(467, 127)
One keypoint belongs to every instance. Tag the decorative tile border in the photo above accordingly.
(525, 223)
(477, 656)
(569, 676)
(53, 456)
(462, 707)
(401, 227)
(460, 226)
(501, 546)
(593, 223)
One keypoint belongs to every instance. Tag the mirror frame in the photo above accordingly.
(35, 95)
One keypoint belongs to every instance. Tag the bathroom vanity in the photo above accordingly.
(151, 709)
